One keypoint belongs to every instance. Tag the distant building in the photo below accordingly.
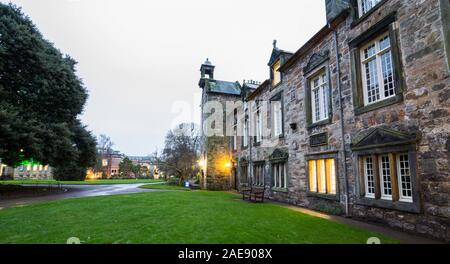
(148, 166)
(108, 167)
(26, 170)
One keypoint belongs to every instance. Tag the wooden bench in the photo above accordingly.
(257, 194)
(252, 194)
(246, 192)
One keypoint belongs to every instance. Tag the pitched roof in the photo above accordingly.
(224, 87)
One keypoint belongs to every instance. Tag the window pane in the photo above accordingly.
(331, 176)
(370, 51)
(321, 178)
(324, 112)
(316, 105)
(312, 176)
(404, 174)
(385, 43)
(373, 93)
(369, 177)
(385, 171)
(388, 75)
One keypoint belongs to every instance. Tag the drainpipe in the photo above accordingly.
(250, 145)
(341, 112)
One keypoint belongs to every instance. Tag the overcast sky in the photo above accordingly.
(140, 59)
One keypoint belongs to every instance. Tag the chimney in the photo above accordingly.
(335, 7)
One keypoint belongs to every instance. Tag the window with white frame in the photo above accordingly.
(319, 97)
(258, 174)
(404, 178)
(369, 175)
(393, 173)
(235, 123)
(258, 123)
(365, 6)
(377, 70)
(385, 176)
(279, 175)
(322, 176)
(245, 139)
(277, 118)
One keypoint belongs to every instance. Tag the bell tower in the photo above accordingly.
(207, 73)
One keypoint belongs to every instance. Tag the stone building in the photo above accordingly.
(365, 117)
(27, 170)
(216, 161)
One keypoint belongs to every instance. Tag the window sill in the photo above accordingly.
(359, 20)
(333, 197)
(283, 190)
(390, 101)
(320, 123)
(385, 204)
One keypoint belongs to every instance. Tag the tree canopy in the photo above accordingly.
(41, 99)
(181, 151)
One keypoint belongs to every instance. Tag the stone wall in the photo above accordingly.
(423, 107)
(216, 149)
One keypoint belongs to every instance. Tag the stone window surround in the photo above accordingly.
(357, 19)
(415, 206)
(387, 24)
(263, 164)
(317, 156)
(281, 157)
(324, 66)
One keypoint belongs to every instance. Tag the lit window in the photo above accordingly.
(319, 97)
(277, 122)
(104, 162)
(276, 73)
(366, 5)
(377, 70)
(258, 174)
(322, 176)
(279, 175)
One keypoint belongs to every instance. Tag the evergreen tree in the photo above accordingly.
(41, 99)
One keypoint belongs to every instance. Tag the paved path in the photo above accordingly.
(403, 237)
(76, 191)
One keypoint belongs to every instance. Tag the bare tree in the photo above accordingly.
(105, 144)
(181, 151)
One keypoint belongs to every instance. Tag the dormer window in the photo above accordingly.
(276, 73)
(365, 6)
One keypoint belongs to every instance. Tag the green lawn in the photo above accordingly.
(93, 182)
(170, 217)
(164, 186)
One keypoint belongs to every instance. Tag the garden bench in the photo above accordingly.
(257, 194)
(253, 194)
(246, 192)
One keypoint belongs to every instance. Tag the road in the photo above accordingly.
(76, 191)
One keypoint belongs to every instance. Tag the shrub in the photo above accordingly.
(327, 208)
